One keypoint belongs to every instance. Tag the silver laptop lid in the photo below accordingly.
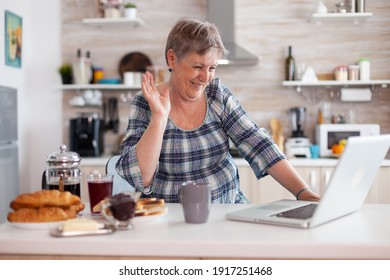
(354, 174)
(345, 193)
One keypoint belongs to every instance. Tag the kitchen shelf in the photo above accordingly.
(333, 17)
(382, 83)
(98, 86)
(336, 84)
(113, 21)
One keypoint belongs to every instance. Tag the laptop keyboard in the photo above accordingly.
(303, 212)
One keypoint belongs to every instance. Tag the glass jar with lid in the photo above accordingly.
(341, 73)
(353, 72)
(63, 171)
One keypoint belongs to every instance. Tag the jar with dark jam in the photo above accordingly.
(119, 210)
(122, 206)
(63, 172)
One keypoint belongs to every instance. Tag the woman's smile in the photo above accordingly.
(198, 85)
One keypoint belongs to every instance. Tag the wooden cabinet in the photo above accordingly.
(260, 191)
(267, 189)
(380, 190)
(247, 179)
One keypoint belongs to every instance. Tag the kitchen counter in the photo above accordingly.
(362, 235)
(303, 162)
(324, 162)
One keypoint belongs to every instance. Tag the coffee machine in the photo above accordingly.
(298, 145)
(86, 135)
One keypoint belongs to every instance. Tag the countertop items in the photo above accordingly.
(101, 161)
(134, 62)
(321, 8)
(277, 132)
(362, 235)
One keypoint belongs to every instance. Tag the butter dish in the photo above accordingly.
(105, 229)
(81, 227)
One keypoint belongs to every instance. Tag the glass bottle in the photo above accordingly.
(89, 67)
(79, 69)
(290, 66)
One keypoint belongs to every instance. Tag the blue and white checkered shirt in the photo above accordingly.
(200, 154)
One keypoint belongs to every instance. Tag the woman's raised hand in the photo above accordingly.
(159, 102)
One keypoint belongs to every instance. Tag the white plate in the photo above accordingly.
(149, 218)
(36, 226)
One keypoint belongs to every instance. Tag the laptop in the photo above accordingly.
(345, 193)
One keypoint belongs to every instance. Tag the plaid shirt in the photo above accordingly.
(200, 154)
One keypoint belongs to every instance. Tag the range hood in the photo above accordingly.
(221, 13)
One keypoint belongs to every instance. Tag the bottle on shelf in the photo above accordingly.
(290, 66)
(364, 67)
(79, 69)
(352, 6)
(360, 6)
(82, 69)
(89, 69)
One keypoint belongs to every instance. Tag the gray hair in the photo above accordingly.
(194, 36)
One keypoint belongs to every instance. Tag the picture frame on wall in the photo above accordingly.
(13, 39)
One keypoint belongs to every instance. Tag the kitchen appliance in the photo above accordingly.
(86, 135)
(113, 115)
(9, 165)
(63, 172)
(329, 134)
(298, 146)
(222, 14)
(298, 115)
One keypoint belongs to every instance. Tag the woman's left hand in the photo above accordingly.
(309, 195)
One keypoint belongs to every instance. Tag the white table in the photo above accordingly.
(362, 235)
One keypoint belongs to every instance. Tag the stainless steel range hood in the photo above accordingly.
(221, 13)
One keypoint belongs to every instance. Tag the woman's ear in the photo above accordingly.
(171, 58)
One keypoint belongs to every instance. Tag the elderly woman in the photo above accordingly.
(179, 130)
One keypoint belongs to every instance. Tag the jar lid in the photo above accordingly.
(341, 67)
(363, 59)
(353, 66)
(63, 156)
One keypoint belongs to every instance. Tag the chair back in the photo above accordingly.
(120, 185)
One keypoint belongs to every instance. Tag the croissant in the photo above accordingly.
(77, 207)
(43, 214)
(45, 198)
